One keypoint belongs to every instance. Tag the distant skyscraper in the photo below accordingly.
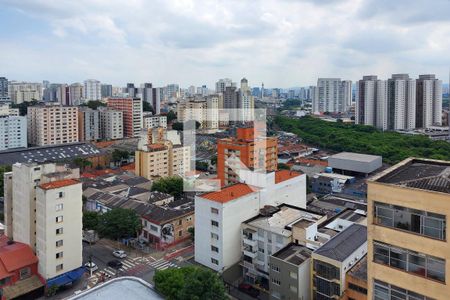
(222, 84)
(333, 95)
(191, 90)
(131, 90)
(401, 104)
(428, 101)
(92, 90)
(173, 90)
(88, 124)
(3, 88)
(76, 93)
(24, 91)
(246, 101)
(106, 90)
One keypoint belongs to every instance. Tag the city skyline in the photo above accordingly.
(197, 43)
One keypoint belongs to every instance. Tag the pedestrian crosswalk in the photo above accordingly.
(162, 264)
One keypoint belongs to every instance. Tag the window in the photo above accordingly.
(214, 236)
(408, 219)
(25, 273)
(59, 207)
(60, 194)
(293, 288)
(180, 233)
(214, 223)
(276, 281)
(59, 219)
(275, 268)
(59, 230)
(180, 222)
(383, 290)
(59, 255)
(59, 243)
(214, 261)
(357, 288)
(326, 287)
(214, 249)
(326, 270)
(153, 227)
(59, 267)
(293, 275)
(214, 211)
(410, 261)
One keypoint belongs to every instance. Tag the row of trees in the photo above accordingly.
(392, 146)
(114, 224)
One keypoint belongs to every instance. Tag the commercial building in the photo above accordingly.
(88, 124)
(355, 163)
(13, 128)
(408, 249)
(111, 123)
(132, 114)
(334, 259)
(19, 277)
(332, 95)
(92, 90)
(255, 152)
(24, 91)
(154, 121)
(219, 214)
(290, 273)
(44, 210)
(52, 124)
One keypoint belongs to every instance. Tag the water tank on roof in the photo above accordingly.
(328, 170)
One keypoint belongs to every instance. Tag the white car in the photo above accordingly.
(119, 254)
(91, 266)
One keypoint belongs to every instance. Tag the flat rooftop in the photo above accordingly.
(355, 156)
(121, 288)
(294, 254)
(424, 174)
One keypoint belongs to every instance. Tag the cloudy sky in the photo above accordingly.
(282, 43)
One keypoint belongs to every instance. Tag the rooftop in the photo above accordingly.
(355, 156)
(424, 174)
(230, 193)
(121, 288)
(58, 184)
(14, 256)
(359, 270)
(344, 243)
(284, 175)
(294, 254)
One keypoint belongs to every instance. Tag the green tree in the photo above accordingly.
(94, 104)
(119, 155)
(82, 163)
(214, 160)
(146, 106)
(282, 166)
(170, 185)
(190, 283)
(90, 220)
(201, 166)
(191, 231)
(3, 170)
(171, 115)
(180, 126)
(119, 223)
(23, 107)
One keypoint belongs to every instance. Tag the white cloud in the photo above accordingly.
(282, 43)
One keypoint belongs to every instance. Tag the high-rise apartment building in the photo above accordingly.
(13, 132)
(222, 84)
(106, 90)
(332, 95)
(52, 124)
(131, 90)
(172, 91)
(132, 114)
(92, 90)
(43, 208)
(88, 124)
(248, 149)
(3, 89)
(76, 93)
(204, 110)
(408, 249)
(24, 91)
(246, 102)
(111, 123)
(401, 104)
(428, 101)
(154, 121)
(371, 102)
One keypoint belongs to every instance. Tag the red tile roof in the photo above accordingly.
(230, 193)
(58, 184)
(14, 257)
(283, 175)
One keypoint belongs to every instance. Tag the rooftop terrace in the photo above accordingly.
(294, 254)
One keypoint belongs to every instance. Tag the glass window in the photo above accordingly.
(214, 211)
(59, 219)
(59, 207)
(383, 291)
(326, 270)
(25, 273)
(214, 223)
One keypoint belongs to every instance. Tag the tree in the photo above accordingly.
(169, 185)
(180, 126)
(189, 283)
(171, 115)
(82, 163)
(119, 223)
(201, 166)
(146, 106)
(94, 104)
(3, 170)
(23, 107)
(214, 160)
(119, 155)
(90, 220)
(282, 166)
(191, 231)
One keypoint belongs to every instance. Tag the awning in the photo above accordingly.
(22, 287)
(66, 278)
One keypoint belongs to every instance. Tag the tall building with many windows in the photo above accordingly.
(401, 102)
(88, 124)
(222, 84)
(3, 88)
(92, 90)
(111, 123)
(132, 114)
(428, 101)
(408, 248)
(24, 91)
(76, 93)
(332, 95)
(52, 124)
(44, 210)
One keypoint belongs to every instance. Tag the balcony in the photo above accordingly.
(250, 242)
(250, 252)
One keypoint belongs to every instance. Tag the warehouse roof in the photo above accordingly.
(344, 243)
(355, 156)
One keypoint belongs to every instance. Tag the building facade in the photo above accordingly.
(24, 91)
(154, 121)
(92, 90)
(13, 132)
(88, 124)
(132, 114)
(408, 250)
(332, 95)
(52, 124)
(111, 124)
(428, 101)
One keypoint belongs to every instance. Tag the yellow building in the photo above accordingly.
(408, 206)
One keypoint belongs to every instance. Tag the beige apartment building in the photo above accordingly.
(111, 123)
(205, 110)
(43, 208)
(52, 124)
(408, 248)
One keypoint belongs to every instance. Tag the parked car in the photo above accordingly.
(119, 254)
(91, 266)
(249, 290)
(115, 264)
